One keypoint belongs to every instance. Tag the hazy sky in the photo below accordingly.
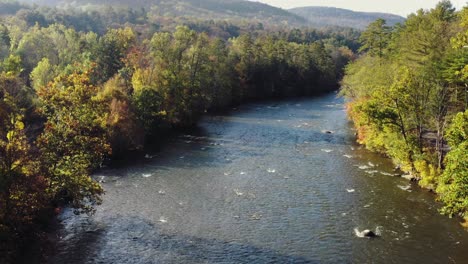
(400, 7)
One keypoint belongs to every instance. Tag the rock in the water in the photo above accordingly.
(410, 177)
(368, 233)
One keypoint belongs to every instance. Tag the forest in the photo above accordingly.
(234, 10)
(78, 88)
(408, 96)
(83, 85)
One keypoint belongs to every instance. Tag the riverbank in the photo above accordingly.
(165, 135)
(404, 89)
(63, 116)
(262, 183)
(416, 167)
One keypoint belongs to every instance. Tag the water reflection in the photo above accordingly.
(145, 242)
(266, 184)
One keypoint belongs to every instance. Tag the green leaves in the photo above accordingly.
(42, 74)
(180, 68)
(375, 39)
(12, 65)
(403, 92)
(457, 133)
(22, 189)
(109, 52)
(74, 94)
(453, 185)
(74, 139)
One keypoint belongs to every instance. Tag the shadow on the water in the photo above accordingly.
(136, 240)
(198, 148)
(216, 139)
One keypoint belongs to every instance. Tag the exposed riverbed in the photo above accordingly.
(263, 184)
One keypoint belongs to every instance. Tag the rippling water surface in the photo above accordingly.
(263, 184)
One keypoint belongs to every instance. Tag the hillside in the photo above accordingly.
(331, 16)
(205, 9)
(234, 10)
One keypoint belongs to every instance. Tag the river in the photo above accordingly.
(262, 184)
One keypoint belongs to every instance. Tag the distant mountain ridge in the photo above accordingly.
(204, 9)
(239, 10)
(332, 16)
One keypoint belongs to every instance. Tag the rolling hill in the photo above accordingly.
(202, 9)
(331, 16)
(238, 10)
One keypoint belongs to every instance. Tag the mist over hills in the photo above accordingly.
(331, 16)
(239, 10)
(201, 9)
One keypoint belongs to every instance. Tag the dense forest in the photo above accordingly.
(147, 20)
(234, 10)
(84, 83)
(408, 98)
(78, 88)
(237, 11)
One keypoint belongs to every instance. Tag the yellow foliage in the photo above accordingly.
(143, 78)
(428, 173)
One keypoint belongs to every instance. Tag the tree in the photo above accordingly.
(425, 36)
(243, 56)
(74, 139)
(401, 101)
(455, 66)
(42, 74)
(181, 64)
(453, 185)
(4, 42)
(461, 38)
(12, 65)
(375, 39)
(22, 187)
(124, 131)
(222, 75)
(110, 52)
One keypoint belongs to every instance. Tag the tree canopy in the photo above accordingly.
(80, 87)
(408, 98)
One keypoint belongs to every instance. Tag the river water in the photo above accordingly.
(262, 184)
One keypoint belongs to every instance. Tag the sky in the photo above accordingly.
(399, 7)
